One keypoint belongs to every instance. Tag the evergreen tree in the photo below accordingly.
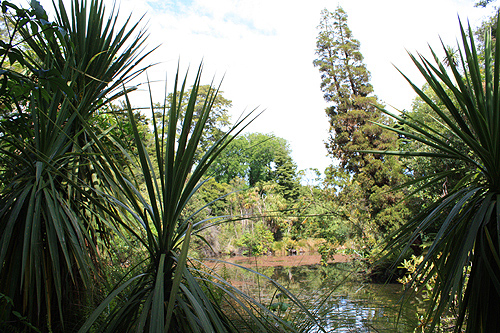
(352, 114)
(345, 84)
(286, 176)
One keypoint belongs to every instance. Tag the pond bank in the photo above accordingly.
(286, 261)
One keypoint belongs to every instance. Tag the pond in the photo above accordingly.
(341, 297)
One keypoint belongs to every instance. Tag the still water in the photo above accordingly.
(339, 296)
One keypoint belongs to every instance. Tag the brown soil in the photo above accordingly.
(287, 261)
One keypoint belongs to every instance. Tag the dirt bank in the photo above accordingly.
(286, 261)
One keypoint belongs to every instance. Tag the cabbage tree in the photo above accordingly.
(465, 253)
(176, 293)
(49, 218)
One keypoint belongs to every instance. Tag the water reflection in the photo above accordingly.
(342, 300)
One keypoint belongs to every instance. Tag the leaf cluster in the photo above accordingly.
(50, 218)
(467, 215)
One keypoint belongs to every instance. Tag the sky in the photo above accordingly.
(263, 50)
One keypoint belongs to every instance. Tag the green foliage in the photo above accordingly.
(215, 194)
(483, 3)
(50, 219)
(69, 196)
(321, 218)
(262, 152)
(345, 84)
(175, 292)
(257, 240)
(218, 121)
(272, 184)
(279, 306)
(423, 288)
(364, 181)
(232, 163)
(327, 251)
(17, 322)
(245, 208)
(210, 202)
(421, 166)
(167, 236)
(468, 214)
(285, 176)
(279, 213)
(256, 158)
(113, 120)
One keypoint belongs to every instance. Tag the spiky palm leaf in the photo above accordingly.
(175, 292)
(468, 237)
(49, 218)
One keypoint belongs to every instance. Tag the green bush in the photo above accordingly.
(258, 240)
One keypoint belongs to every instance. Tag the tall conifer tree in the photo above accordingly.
(346, 85)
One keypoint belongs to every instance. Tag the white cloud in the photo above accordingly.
(266, 49)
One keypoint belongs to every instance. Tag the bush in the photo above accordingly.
(258, 240)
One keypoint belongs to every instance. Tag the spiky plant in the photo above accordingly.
(49, 219)
(174, 293)
(465, 253)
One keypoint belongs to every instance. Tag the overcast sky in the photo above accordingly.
(265, 49)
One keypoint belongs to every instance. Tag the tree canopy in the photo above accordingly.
(218, 122)
(255, 157)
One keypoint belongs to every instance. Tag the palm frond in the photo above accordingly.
(175, 294)
(50, 218)
(464, 255)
